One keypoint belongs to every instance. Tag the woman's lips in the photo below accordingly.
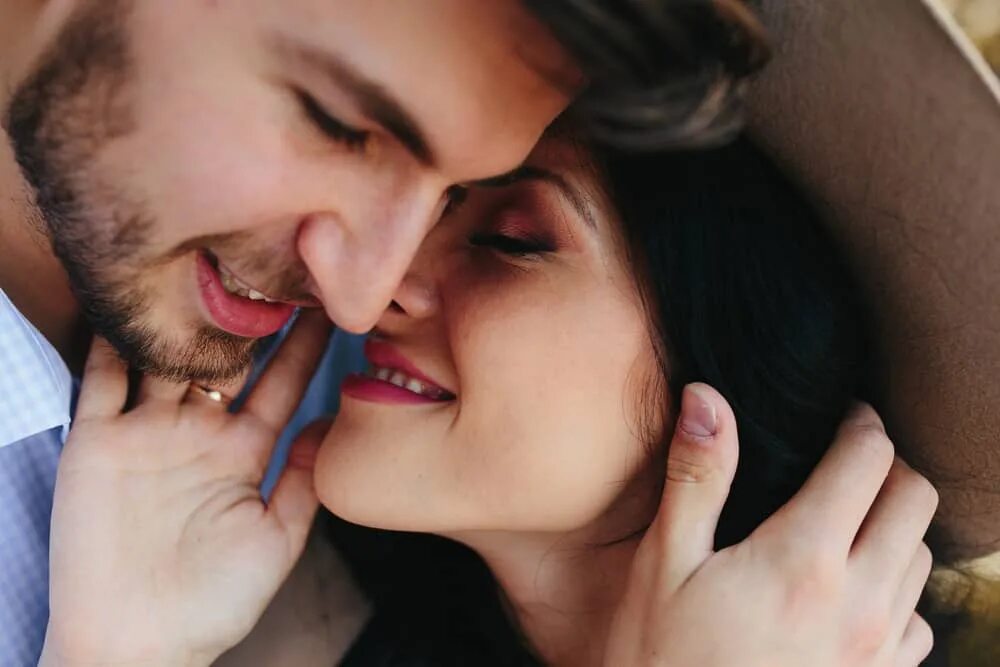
(383, 355)
(366, 388)
(392, 378)
(238, 315)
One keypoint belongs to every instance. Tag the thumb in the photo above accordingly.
(294, 500)
(701, 463)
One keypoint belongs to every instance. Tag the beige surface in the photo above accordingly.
(981, 20)
(972, 591)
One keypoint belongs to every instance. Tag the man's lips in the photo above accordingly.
(238, 315)
(235, 284)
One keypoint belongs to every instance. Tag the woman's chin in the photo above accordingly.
(355, 492)
(338, 492)
(369, 471)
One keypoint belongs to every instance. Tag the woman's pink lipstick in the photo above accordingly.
(393, 379)
(238, 315)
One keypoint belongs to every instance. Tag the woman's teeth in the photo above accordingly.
(404, 381)
(232, 285)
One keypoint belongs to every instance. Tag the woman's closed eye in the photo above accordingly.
(515, 246)
(509, 221)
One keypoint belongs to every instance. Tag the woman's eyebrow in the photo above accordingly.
(532, 173)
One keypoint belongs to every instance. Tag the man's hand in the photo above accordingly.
(162, 550)
(831, 580)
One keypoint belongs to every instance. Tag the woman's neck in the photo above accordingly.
(561, 590)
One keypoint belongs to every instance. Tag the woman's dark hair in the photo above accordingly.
(744, 291)
(661, 73)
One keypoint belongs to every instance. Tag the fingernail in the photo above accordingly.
(865, 414)
(698, 418)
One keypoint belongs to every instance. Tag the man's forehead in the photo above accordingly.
(481, 25)
(461, 72)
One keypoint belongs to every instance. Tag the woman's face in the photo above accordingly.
(525, 355)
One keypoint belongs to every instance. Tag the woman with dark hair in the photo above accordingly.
(740, 288)
(548, 342)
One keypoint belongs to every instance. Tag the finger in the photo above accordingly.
(895, 525)
(701, 463)
(917, 642)
(232, 387)
(155, 389)
(908, 594)
(216, 392)
(279, 390)
(838, 494)
(294, 500)
(104, 388)
(226, 391)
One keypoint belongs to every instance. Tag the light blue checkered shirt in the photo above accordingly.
(35, 394)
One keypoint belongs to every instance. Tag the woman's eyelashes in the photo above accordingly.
(332, 128)
(512, 224)
(515, 246)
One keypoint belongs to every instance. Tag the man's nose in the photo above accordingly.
(357, 264)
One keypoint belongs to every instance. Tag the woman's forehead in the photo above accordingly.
(564, 151)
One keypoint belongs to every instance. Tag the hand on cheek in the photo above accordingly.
(162, 549)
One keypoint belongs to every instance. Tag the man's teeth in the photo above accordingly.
(234, 286)
(404, 381)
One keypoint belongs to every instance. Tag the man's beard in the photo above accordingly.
(75, 103)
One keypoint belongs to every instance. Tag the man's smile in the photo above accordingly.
(235, 307)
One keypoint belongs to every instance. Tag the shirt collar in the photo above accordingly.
(36, 387)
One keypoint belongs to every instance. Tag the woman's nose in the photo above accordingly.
(416, 297)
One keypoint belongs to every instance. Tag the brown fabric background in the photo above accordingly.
(883, 110)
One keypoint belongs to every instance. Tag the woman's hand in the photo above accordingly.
(162, 550)
(831, 580)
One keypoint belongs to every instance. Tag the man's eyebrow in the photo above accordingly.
(375, 101)
(531, 173)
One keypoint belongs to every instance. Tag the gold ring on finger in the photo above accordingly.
(210, 394)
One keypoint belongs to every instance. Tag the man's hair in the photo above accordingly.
(660, 73)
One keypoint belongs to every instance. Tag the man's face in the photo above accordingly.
(192, 157)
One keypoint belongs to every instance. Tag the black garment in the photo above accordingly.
(436, 603)
(389, 641)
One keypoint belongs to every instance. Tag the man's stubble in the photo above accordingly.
(74, 104)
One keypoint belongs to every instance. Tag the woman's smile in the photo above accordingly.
(392, 378)
(519, 319)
